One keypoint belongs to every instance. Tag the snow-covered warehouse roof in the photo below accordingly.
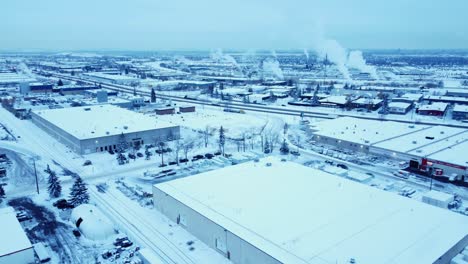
(12, 236)
(99, 121)
(310, 216)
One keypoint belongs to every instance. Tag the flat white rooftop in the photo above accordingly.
(12, 236)
(298, 214)
(419, 138)
(99, 121)
(363, 131)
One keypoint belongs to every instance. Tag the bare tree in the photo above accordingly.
(207, 133)
(272, 138)
(177, 148)
(244, 138)
(261, 134)
(251, 138)
(161, 145)
(187, 146)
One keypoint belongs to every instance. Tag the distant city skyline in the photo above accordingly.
(210, 24)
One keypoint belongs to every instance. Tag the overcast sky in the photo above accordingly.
(243, 24)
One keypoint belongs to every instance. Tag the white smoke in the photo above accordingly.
(272, 66)
(306, 54)
(219, 56)
(273, 53)
(183, 60)
(335, 53)
(355, 60)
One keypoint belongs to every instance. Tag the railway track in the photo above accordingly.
(136, 226)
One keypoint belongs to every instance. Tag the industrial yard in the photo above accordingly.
(127, 142)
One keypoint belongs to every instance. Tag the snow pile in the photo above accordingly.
(91, 222)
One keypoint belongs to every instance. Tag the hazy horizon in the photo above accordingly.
(144, 25)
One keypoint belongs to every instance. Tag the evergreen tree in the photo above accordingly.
(315, 100)
(2, 193)
(153, 96)
(48, 170)
(55, 189)
(122, 143)
(79, 192)
(60, 83)
(384, 109)
(222, 139)
(284, 150)
(267, 148)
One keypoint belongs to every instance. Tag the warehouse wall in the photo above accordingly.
(343, 144)
(21, 257)
(148, 137)
(451, 253)
(215, 236)
(56, 132)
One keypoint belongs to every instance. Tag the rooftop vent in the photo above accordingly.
(268, 164)
(87, 109)
(125, 127)
(442, 132)
(428, 137)
(415, 142)
(107, 133)
(411, 126)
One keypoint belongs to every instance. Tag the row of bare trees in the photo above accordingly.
(264, 137)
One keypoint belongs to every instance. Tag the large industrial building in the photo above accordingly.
(442, 147)
(100, 128)
(260, 212)
(15, 246)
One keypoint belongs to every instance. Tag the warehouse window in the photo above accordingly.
(221, 245)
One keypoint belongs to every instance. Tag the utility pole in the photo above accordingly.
(35, 174)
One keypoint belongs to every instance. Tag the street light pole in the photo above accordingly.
(35, 174)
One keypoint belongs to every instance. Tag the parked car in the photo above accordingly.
(217, 153)
(139, 154)
(295, 153)
(23, 216)
(172, 163)
(340, 165)
(183, 160)
(87, 163)
(209, 155)
(63, 204)
(198, 156)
